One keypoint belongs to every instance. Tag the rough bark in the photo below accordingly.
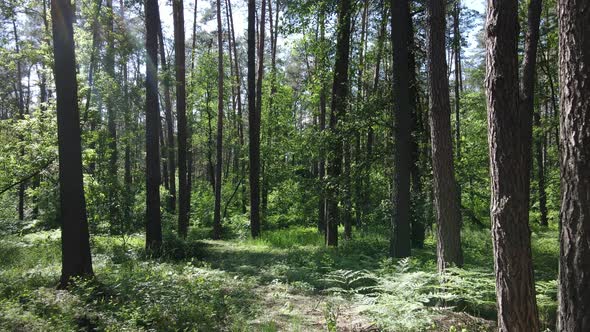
(254, 124)
(76, 258)
(539, 146)
(446, 199)
(170, 150)
(261, 40)
(418, 227)
(153, 219)
(574, 79)
(337, 114)
(21, 114)
(527, 83)
(400, 245)
(219, 154)
(515, 289)
(322, 125)
(180, 63)
(457, 71)
(110, 105)
(527, 97)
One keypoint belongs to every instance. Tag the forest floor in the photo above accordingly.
(284, 281)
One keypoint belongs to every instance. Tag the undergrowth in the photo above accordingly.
(206, 285)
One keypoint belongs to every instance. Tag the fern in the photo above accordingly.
(348, 282)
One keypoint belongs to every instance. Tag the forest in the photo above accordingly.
(295, 165)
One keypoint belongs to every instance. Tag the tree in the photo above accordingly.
(110, 105)
(509, 166)
(400, 245)
(446, 198)
(75, 244)
(180, 61)
(337, 114)
(169, 125)
(219, 154)
(152, 123)
(261, 39)
(574, 78)
(322, 119)
(254, 124)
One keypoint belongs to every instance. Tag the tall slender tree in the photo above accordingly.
(337, 114)
(110, 104)
(219, 151)
(254, 124)
(259, 80)
(180, 61)
(574, 78)
(446, 198)
(527, 82)
(75, 238)
(171, 167)
(509, 167)
(152, 122)
(19, 91)
(458, 77)
(400, 245)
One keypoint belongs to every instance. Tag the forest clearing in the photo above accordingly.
(295, 165)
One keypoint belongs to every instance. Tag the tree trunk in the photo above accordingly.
(541, 173)
(110, 105)
(446, 199)
(171, 175)
(457, 70)
(261, 40)
(21, 115)
(400, 245)
(75, 244)
(219, 154)
(239, 101)
(418, 228)
(254, 124)
(180, 61)
(515, 288)
(337, 115)
(574, 80)
(153, 222)
(322, 123)
(527, 96)
(164, 175)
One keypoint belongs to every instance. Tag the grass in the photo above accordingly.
(286, 280)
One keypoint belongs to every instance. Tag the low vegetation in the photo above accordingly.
(286, 280)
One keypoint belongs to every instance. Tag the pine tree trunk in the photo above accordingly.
(254, 124)
(400, 245)
(515, 289)
(337, 115)
(322, 124)
(448, 215)
(418, 227)
(457, 70)
(110, 105)
(153, 219)
(539, 146)
(180, 63)
(171, 167)
(219, 154)
(574, 80)
(76, 257)
(261, 40)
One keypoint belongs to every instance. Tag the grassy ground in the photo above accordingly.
(284, 281)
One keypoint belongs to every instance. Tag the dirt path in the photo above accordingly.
(288, 311)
